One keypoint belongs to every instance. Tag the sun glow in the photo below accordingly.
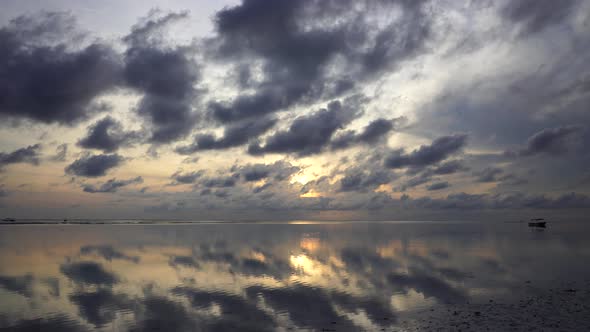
(311, 194)
(300, 178)
(310, 244)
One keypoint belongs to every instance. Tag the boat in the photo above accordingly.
(538, 222)
(9, 220)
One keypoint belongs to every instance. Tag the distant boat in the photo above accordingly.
(538, 222)
(9, 219)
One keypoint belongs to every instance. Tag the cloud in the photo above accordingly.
(309, 134)
(219, 182)
(512, 200)
(57, 322)
(186, 178)
(362, 180)
(29, 155)
(428, 285)
(107, 135)
(256, 190)
(46, 77)
(187, 261)
(301, 61)
(234, 135)
(94, 165)
(160, 313)
(107, 252)
(315, 308)
(88, 273)
(22, 285)
(564, 201)
(279, 171)
(111, 185)
(438, 186)
(535, 15)
(415, 181)
(371, 134)
(489, 174)
(239, 314)
(61, 153)
(449, 167)
(440, 149)
(100, 307)
(423, 175)
(168, 92)
(552, 141)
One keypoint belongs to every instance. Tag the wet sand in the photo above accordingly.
(564, 308)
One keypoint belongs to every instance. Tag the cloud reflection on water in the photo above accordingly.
(253, 277)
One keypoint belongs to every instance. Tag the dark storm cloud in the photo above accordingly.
(278, 171)
(438, 186)
(296, 53)
(111, 186)
(165, 76)
(552, 141)
(107, 135)
(88, 273)
(29, 155)
(100, 307)
(45, 77)
(186, 178)
(94, 165)
(535, 15)
(234, 135)
(309, 134)
(107, 252)
(440, 149)
(22, 285)
(370, 134)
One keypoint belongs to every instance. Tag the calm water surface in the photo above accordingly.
(284, 277)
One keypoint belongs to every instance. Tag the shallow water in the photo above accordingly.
(267, 277)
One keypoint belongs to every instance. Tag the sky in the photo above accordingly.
(295, 110)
